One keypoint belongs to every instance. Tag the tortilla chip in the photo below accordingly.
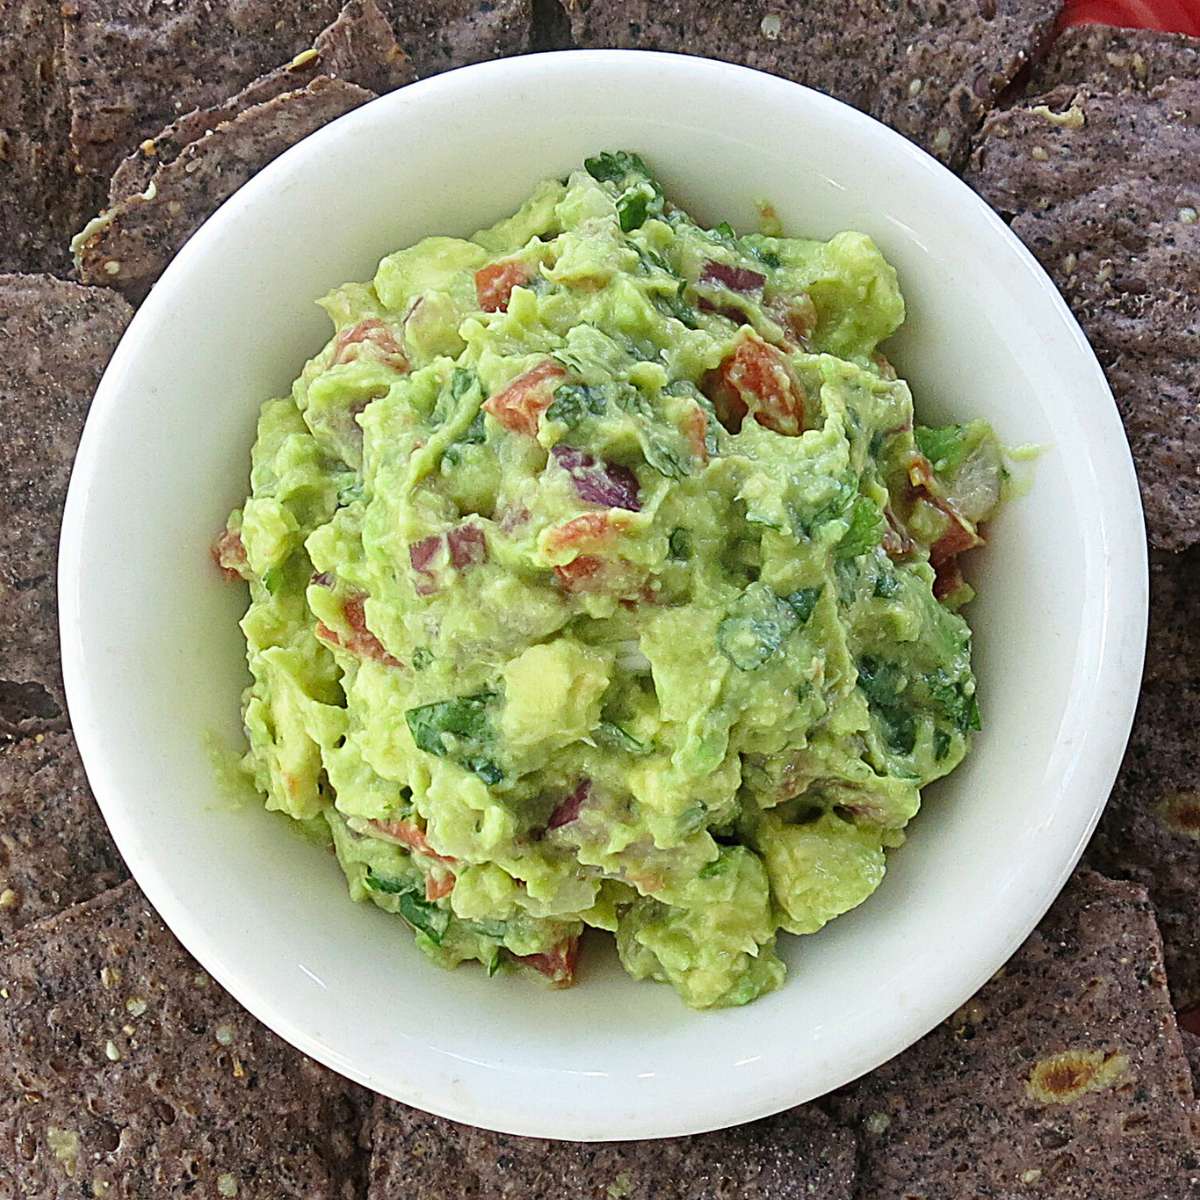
(1116, 60)
(1150, 831)
(126, 1065)
(798, 1154)
(54, 846)
(128, 247)
(927, 68)
(1102, 188)
(134, 66)
(551, 27)
(1173, 644)
(1191, 1046)
(55, 340)
(1063, 1078)
(42, 199)
(358, 47)
(441, 34)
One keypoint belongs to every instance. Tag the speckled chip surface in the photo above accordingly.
(123, 1064)
(799, 1155)
(55, 340)
(1064, 1078)
(55, 850)
(440, 34)
(1102, 187)
(1116, 60)
(134, 66)
(1150, 831)
(358, 47)
(929, 68)
(138, 236)
(1173, 640)
(42, 200)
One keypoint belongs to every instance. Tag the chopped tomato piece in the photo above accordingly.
(762, 384)
(369, 333)
(229, 554)
(410, 834)
(695, 429)
(947, 578)
(591, 530)
(519, 406)
(800, 318)
(731, 408)
(582, 574)
(558, 965)
(360, 641)
(611, 576)
(495, 282)
(437, 886)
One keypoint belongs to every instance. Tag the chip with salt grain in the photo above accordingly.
(169, 1109)
(1063, 1077)
(1110, 209)
(55, 340)
(798, 1155)
(55, 849)
(927, 68)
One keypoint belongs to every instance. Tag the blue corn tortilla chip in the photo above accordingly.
(360, 47)
(42, 197)
(55, 340)
(1101, 187)
(134, 66)
(928, 68)
(799, 1155)
(1064, 1078)
(130, 244)
(130, 1073)
(55, 850)
(1116, 60)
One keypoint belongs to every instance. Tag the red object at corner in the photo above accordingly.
(1171, 16)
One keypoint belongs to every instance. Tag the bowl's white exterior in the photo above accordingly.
(153, 656)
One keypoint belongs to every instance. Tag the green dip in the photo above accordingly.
(599, 578)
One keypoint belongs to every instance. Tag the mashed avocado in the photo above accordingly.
(599, 577)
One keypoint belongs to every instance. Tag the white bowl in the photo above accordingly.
(153, 656)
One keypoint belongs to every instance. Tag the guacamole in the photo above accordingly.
(600, 578)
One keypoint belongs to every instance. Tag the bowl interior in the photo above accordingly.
(154, 657)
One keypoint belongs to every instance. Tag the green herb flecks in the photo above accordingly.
(865, 530)
(609, 734)
(883, 683)
(573, 402)
(756, 627)
(459, 730)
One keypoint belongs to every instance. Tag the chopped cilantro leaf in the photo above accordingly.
(865, 531)
(803, 602)
(425, 916)
(572, 402)
(756, 627)
(679, 545)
